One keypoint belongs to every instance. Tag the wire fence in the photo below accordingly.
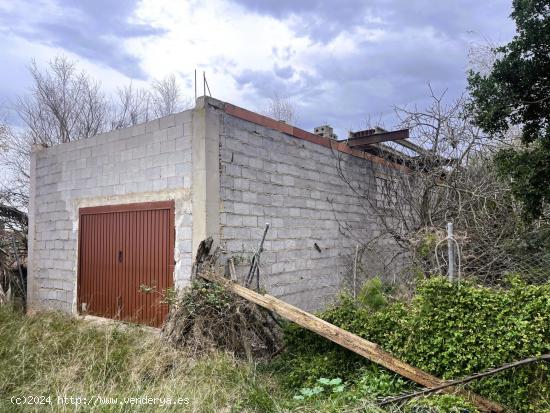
(492, 262)
(457, 255)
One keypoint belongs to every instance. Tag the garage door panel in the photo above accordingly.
(122, 250)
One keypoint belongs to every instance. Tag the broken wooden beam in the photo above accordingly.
(352, 342)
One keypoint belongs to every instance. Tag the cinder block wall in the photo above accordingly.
(146, 162)
(269, 176)
(228, 177)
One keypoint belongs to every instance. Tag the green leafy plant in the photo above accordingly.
(336, 384)
(168, 296)
(372, 294)
(147, 289)
(448, 330)
(445, 403)
(426, 245)
(515, 93)
(378, 382)
(324, 386)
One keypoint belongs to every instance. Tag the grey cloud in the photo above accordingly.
(91, 29)
(324, 19)
(393, 70)
(264, 82)
(422, 41)
(321, 19)
(284, 72)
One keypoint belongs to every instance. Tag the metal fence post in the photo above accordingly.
(355, 272)
(451, 255)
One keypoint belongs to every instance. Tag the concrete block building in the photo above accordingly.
(114, 220)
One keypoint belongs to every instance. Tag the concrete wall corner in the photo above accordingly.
(207, 123)
(32, 282)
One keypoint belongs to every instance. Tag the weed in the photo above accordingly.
(55, 355)
(447, 330)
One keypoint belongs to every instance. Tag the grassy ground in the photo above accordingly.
(50, 356)
(447, 330)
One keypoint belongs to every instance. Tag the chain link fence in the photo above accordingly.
(493, 262)
(453, 253)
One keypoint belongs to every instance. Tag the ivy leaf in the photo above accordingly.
(317, 390)
(307, 392)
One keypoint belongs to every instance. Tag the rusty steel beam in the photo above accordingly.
(378, 138)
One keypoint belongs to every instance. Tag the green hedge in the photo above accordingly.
(449, 330)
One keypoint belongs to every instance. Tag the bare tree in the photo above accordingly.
(443, 141)
(15, 151)
(166, 96)
(63, 104)
(482, 55)
(281, 108)
(445, 175)
(4, 128)
(14, 161)
(131, 106)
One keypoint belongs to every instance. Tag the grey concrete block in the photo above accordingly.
(291, 186)
(176, 132)
(152, 126)
(183, 117)
(167, 121)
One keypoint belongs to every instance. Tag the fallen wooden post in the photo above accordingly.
(348, 340)
(466, 379)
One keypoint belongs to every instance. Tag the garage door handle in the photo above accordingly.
(120, 256)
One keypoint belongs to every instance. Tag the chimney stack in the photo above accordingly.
(325, 131)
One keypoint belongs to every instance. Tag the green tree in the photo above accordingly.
(516, 93)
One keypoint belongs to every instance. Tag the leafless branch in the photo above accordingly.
(450, 179)
(281, 108)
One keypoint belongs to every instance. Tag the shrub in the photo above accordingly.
(372, 294)
(445, 403)
(448, 330)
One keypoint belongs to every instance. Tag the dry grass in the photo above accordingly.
(51, 354)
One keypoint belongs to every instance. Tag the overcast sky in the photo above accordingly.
(338, 61)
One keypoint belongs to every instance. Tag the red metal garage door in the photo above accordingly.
(126, 261)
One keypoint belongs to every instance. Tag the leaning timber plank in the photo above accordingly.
(348, 340)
